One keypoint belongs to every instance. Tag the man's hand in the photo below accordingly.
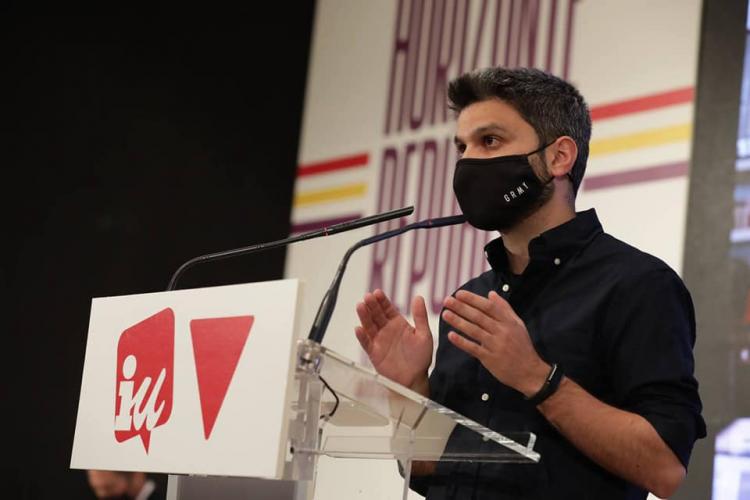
(397, 350)
(500, 340)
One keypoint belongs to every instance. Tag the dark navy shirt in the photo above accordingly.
(619, 322)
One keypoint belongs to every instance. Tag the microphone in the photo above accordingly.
(325, 310)
(325, 231)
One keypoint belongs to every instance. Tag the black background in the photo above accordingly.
(130, 143)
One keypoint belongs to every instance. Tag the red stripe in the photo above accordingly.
(332, 165)
(647, 174)
(646, 103)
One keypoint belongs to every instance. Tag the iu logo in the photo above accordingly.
(145, 368)
(145, 361)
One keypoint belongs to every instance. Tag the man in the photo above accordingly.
(572, 335)
(114, 485)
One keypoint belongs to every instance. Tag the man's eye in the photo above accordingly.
(460, 148)
(490, 140)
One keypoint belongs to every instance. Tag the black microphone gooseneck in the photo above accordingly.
(326, 231)
(325, 311)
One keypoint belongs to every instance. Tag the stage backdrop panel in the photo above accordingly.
(377, 135)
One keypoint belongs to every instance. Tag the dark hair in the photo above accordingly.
(552, 106)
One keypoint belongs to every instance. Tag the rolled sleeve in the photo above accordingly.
(650, 337)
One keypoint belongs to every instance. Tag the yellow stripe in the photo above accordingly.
(645, 139)
(330, 194)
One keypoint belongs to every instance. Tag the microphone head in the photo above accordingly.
(450, 220)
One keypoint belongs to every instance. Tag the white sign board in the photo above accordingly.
(189, 382)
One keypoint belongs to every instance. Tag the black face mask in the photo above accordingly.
(498, 193)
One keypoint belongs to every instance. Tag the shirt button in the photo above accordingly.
(485, 396)
(557, 261)
(506, 287)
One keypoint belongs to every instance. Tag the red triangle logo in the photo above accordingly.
(217, 345)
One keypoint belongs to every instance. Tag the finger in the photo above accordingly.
(466, 345)
(467, 327)
(365, 318)
(376, 311)
(362, 337)
(471, 313)
(483, 304)
(419, 313)
(389, 309)
(503, 308)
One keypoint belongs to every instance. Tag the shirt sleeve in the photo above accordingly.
(650, 334)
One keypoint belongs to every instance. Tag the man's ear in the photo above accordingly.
(561, 156)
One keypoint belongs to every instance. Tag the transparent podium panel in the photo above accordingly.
(344, 410)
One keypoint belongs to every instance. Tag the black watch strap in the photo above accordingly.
(549, 387)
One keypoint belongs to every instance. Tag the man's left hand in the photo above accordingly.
(497, 338)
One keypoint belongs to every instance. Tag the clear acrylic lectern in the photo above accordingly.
(341, 409)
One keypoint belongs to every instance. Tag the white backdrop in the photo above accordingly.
(369, 143)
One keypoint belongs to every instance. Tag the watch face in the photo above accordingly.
(549, 387)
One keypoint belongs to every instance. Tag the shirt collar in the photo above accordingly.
(554, 245)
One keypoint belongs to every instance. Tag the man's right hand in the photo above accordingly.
(397, 350)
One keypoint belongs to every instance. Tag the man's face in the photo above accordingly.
(493, 128)
(107, 484)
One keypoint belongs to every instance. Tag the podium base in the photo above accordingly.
(234, 488)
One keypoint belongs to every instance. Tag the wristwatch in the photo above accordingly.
(549, 387)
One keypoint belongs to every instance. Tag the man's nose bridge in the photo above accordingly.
(471, 151)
